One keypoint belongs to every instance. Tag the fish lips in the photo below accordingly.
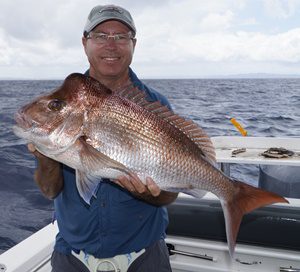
(21, 121)
(24, 122)
(20, 132)
(24, 126)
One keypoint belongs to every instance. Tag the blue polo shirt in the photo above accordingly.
(115, 222)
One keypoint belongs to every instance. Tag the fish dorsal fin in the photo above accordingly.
(192, 130)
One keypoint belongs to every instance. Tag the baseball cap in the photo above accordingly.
(100, 14)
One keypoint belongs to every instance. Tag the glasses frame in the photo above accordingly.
(121, 38)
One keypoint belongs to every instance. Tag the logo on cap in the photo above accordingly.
(111, 9)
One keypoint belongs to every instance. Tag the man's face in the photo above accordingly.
(109, 60)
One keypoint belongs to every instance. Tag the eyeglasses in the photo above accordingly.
(102, 38)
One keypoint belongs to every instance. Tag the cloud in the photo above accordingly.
(208, 34)
(203, 35)
(216, 21)
(222, 46)
(281, 9)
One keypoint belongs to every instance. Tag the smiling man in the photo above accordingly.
(124, 226)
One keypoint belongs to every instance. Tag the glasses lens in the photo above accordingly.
(102, 38)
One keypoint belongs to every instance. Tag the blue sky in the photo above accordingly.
(270, 16)
(176, 39)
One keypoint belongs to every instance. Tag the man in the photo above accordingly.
(124, 226)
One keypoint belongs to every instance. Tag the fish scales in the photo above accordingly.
(149, 139)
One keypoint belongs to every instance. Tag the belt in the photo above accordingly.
(119, 263)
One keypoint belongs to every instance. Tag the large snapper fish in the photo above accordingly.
(105, 134)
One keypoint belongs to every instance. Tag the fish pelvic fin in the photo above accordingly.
(246, 199)
(87, 185)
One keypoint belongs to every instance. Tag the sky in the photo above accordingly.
(41, 39)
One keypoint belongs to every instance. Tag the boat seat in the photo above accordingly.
(281, 179)
(271, 226)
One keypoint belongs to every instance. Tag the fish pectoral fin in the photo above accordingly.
(93, 160)
(87, 185)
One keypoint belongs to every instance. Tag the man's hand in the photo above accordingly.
(33, 150)
(36, 153)
(136, 186)
(150, 192)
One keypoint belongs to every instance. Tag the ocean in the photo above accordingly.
(265, 107)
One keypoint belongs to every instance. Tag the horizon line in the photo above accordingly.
(233, 76)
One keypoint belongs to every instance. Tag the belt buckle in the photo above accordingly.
(107, 265)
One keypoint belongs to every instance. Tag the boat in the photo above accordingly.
(268, 239)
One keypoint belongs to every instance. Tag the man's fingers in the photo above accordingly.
(133, 184)
(31, 148)
(118, 182)
(137, 183)
(125, 182)
(152, 187)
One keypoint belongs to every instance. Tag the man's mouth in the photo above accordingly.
(110, 59)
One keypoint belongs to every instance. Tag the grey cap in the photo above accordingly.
(100, 14)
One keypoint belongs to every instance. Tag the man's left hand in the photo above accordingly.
(133, 184)
(148, 192)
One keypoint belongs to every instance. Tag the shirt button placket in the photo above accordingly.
(103, 214)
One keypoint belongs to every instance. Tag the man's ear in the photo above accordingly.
(84, 41)
(134, 43)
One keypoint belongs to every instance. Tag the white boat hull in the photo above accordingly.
(246, 259)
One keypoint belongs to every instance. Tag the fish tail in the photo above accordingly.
(246, 199)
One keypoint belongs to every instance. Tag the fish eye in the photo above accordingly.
(56, 104)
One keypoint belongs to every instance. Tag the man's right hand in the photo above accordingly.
(33, 150)
(48, 174)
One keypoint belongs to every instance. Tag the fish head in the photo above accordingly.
(55, 121)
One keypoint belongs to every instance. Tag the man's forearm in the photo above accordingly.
(164, 198)
(48, 174)
(48, 177)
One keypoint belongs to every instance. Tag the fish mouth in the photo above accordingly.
(29, 137)
(21, 132)
(22, 121)
(23, 127)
